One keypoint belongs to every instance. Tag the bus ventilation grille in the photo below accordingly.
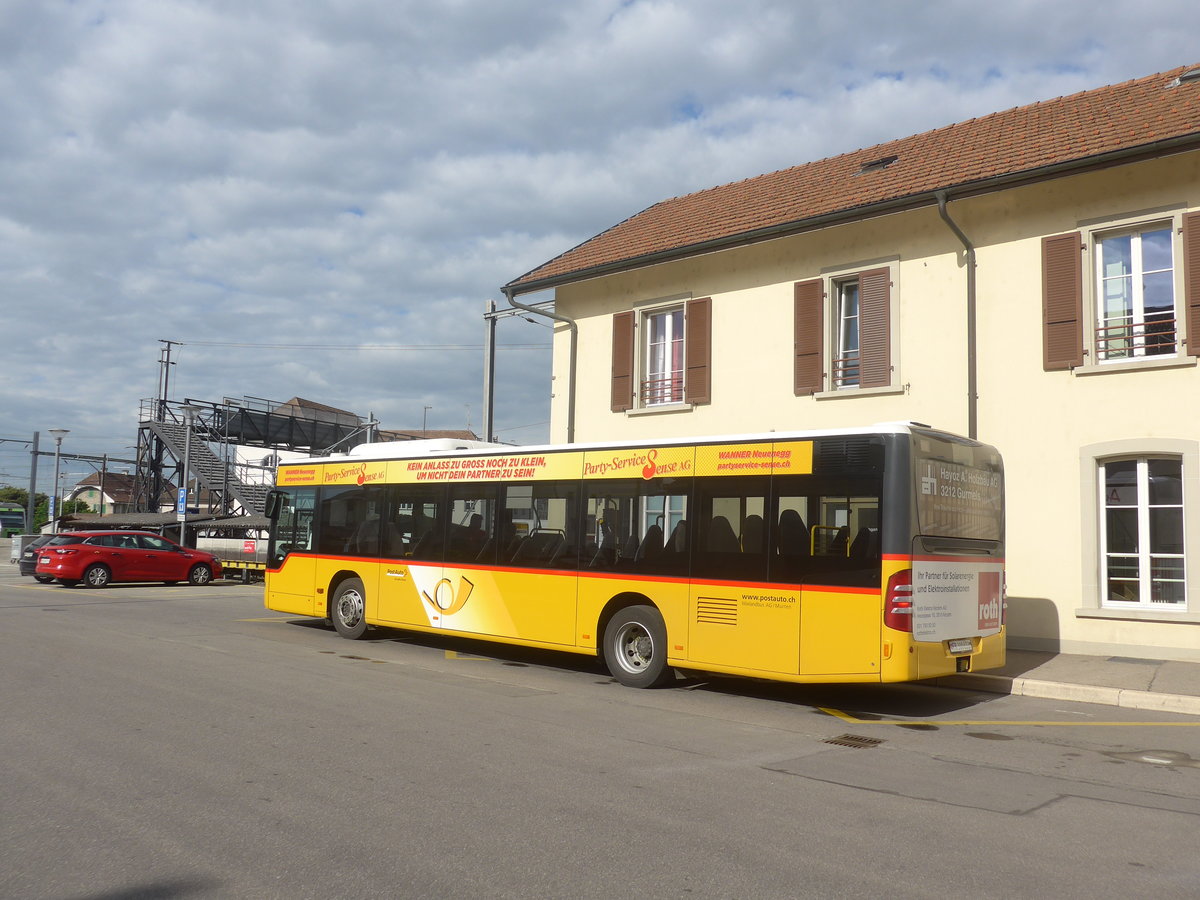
(854, 741)
(716, 611)
(843, 454)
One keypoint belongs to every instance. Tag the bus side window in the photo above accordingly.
(731, 533)
(635, 525)
(844, 541)
(472, 523)
(414, 527)
(544, 518)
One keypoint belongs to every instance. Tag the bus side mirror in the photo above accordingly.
(274, 504)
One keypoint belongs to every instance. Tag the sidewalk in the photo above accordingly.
(1164, 685)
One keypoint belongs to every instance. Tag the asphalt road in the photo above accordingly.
(185, 743)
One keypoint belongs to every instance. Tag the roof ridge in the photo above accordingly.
(1178, 70)
(1100, 125)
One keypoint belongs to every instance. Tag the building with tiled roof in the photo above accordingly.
(1110, 126)
(1030, 278)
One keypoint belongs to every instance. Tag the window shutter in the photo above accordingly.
(874, 328)
(808, 334)
(1191, 280)
(1062, 301)
(622, 362)
(697, 354)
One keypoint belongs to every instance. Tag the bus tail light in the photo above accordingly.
(897, 602)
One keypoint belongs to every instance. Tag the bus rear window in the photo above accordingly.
(959, 489)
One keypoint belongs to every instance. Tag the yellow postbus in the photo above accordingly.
(860, 555)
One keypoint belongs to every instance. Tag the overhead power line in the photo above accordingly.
(255, 346)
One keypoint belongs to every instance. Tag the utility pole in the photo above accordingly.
(489, 369)
(31, 504)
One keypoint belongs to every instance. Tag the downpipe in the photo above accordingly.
(972, 361)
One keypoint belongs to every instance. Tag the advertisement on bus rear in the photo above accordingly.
(956, 598)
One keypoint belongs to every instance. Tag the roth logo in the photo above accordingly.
(989, 600)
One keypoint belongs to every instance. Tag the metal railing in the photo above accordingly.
(655, 391)
(846, 370)
(1127, 338)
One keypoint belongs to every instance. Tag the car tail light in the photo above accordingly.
(64, 552)
(897, 602)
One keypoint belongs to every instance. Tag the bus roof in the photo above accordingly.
(417, 449)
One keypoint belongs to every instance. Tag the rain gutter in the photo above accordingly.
(972, 362)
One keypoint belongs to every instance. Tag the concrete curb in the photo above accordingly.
(1078, 693)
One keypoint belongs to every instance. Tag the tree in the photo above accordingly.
(20, 495)
(41, 515)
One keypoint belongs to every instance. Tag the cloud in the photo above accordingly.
(368, 173)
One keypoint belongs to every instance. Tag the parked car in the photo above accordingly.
(29, 558)
(97, 558)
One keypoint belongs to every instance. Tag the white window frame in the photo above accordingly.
(1095, 603)
(840, 363)
(834, 277)
(672, 393)
(1144, 557)
(1093, 314)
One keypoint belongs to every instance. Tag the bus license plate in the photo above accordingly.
(959, 646)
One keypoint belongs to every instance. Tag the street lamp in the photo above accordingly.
(189, 416)
(58, 434)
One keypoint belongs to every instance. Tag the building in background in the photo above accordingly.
(1031, 278)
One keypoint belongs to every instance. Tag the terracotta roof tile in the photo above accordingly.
(1023, 140)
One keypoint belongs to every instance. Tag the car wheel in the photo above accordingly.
(635, 647)
(200, 574)
(348, 609)
(43, 579)
(97, 576)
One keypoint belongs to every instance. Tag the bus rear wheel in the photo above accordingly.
(348, 609)
(635, 647)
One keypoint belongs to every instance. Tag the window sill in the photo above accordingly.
(859, 392)
(1178, 361)
(1183, 617)
(660, 408)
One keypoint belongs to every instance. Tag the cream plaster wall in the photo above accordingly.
(1038, 419)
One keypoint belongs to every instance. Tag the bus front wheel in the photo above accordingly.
(348, 609)
(635, 647)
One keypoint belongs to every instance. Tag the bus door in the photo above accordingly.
(411, 545)
(737, 617)
(826, 538)
(531, 591)
(291, 582)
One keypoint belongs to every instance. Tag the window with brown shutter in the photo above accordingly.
(622, 361)
(808, 334)
(874, 324)
(1062, 301)
(697, 334)
(1191, 280)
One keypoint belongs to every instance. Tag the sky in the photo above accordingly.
(318, 199)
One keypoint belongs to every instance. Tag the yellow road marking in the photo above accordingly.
(846, 717)
(454, 654)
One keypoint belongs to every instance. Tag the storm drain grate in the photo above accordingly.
(855, 741)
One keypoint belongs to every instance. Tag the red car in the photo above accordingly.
(99, 557)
